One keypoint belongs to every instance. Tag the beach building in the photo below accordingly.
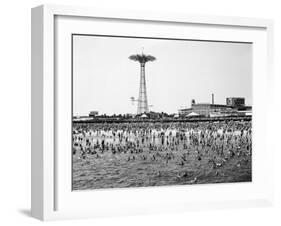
(235, 106)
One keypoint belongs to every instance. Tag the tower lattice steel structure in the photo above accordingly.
(142, 100)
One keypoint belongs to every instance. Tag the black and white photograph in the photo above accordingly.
(160, 112)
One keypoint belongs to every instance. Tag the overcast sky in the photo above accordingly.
(104, 78)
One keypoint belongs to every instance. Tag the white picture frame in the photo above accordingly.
(48, 188)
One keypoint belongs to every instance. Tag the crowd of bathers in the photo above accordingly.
(218, 142)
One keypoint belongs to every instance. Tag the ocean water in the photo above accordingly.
(107, 169)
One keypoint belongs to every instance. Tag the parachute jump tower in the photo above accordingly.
(142, 100)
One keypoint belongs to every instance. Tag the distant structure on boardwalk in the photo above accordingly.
(93, 113)
(235, 106)
(235, 101)
(142, 100)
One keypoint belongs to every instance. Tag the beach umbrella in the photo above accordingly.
(192, 114)
(144, 116)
